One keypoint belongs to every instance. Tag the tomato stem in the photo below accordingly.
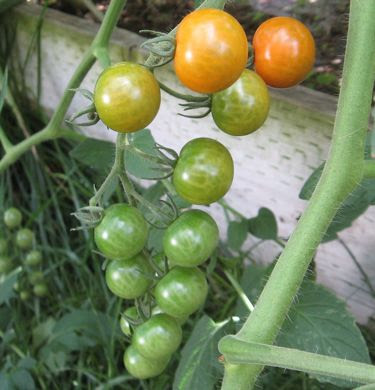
(343, 171)
(242, 352)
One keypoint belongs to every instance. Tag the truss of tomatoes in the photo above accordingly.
(211, 57)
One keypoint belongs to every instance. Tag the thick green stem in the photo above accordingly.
(342, 172)
(98, 49)
(237, 351)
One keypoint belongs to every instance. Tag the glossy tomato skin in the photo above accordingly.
(158, 337)
(127, 97)
(180, 320)
(129, 279)
(284, 51)
(122, 233)
(191, 238)
(204, 171)
(125, 326)
(243, 107)
(140, 367)
(211, 50)
(181, 291)
(24, 238)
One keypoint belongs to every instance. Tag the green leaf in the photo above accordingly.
(22, 379)
(354, 206)
(98, 155)
(310, 184)
(6, 285)
(264, 225)
(135, 164)
(319, 322)
(197, 3)
(237, 233)
(199, 367)
(43, 332)
(155, 239)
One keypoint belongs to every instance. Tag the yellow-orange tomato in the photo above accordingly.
(211, 50)
(284, 51)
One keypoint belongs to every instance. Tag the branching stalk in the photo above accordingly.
(342, 173)
(237, 351)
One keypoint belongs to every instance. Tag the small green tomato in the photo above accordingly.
(12, 218)
(25, 238)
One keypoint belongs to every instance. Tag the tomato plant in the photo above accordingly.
(204, 171)
(284, 51)
(181, 291)
(25, 238)
(12, 218)
(127, 97)
(3, 245)
(211, 50)
(243, 107)
(141, 367)
(191, 238)
(122, 233)
(129, 278)
(35, 277)
(158, 337)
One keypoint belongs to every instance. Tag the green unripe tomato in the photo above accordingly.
(5, 264)
(127, 97)
(40, 290)
(33, 258)
(122, 233)
(180, 320)
(191, 238)
(3, 246)
(16, 286)
(158, 337)
(243, 107)
(12, 218)
(24, 238)
(125, 326)
(24, 295)
(35, 277)
(181, 291)
(129, 279)
(142, 368)
(204, 171)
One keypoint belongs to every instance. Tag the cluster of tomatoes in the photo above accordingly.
(210, 57)
(178, 287)
(21, 245)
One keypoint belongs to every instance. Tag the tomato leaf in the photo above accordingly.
(317, 322)
(237, 233)
(98, 155)
(264, 225)
(199, 367)
(354, 206)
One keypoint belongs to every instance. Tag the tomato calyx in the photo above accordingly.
(196, 105)
(89, 110)
(161, 47)
(88, 216)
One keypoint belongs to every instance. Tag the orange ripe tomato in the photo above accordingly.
(211, 50)
(284, 51)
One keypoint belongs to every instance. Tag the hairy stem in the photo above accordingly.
(343, 171)
(241, 352)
